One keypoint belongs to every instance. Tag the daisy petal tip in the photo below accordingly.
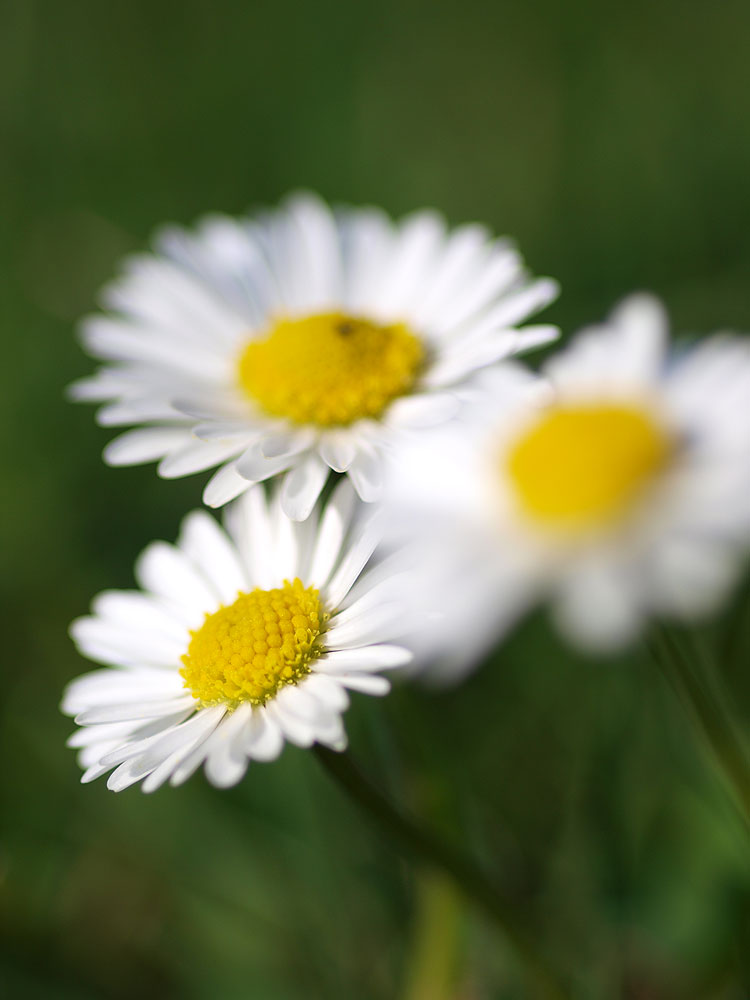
(225, 485)
(91, 774)
(115, 782)
(641, 309)
(549, 289)
(367, 492)
(75, 392)
(211, 499)
(294, 511)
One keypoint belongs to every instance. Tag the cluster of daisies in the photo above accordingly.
(397, 489)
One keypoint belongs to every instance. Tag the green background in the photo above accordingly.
(613, 141)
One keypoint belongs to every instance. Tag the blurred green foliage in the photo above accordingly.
(613, 140)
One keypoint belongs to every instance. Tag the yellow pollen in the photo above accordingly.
(249, 650)
(330, 369)
(580, 466)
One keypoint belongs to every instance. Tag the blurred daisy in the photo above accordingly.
(301, 340)
(238, 642)
(617, 487)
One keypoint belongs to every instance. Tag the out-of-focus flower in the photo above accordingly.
(238, 641)
(617, 487)
(301, 340)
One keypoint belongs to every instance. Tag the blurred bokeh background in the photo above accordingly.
(613, 141)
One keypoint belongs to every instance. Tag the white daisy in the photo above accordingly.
(301, 340)
(238, 641)
(617, 487)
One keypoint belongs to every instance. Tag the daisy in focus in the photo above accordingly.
(299, 341)
(238, 641)
(617, 487)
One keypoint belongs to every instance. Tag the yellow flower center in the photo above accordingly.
(330, 369)
(249, 650)
(580, 466)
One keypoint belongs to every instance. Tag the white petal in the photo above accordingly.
(296, 730)
(111, 732)
(161, 738)
(250, 526)
(499, 271)
(133, 710)
(222, 255)
(338, 449)
(378, 657)
(516, 307)
(390, 581)
(195, 456)
(278, 444)
(302, 486)
(331, 733)
(179, 742)
(199, 728)
(224, 485)
(466, 251)
(366, 683)
(118, 340)
(107, 383)
(643, 330)
(530, 337)
(240, 431)
(204, 542)
(367, 236)
(379, 622)
(255, 467)
(386, 578)
(456, 364)
(107, 686)
(136, 411)
(366, 474)
(327, 690)
(596, 610)
(132, 609)
(161, 296)
(691, 576)
(334, 526)
(353, 562)
(94, 772)
(213, 404)
(318, 245)
(103, 640)
(145, 444)
(303, 703)
(416, 246)
(263, 738)
(165, 571)
(423, 410)
(285, 550)
(190, 762)
(227, 761)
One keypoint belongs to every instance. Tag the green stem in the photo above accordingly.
(420, 843)
(700, 692)
(433, 969)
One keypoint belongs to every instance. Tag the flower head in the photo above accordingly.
(239, 640)
(617, 487)
(299, 341)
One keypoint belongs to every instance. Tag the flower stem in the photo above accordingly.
(421, 844)
(700, 692)
(433, 970)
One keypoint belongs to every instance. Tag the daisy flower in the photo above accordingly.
(616, 487)
(301, 340)
(238, 641)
